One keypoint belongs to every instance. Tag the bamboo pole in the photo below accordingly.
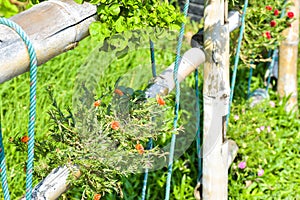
(53, 27)
(216, 93)
(288, 54)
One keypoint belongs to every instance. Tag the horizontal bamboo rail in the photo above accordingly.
(53, 27)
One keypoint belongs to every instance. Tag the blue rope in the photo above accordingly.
(150, 143)
(150, 146)
(249, 81)
(198, 134)
(236, 61)
(32, 106)
(3, 169)
(153, 65)
(177, 100)
(271, 66)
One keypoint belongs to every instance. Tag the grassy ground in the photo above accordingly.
(274, 149)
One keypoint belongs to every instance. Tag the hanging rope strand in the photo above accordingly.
(236, 61)
(249, 82)
(150, 143)
(153, 64)
(177, 99)
(32, 106)
(198, 132)
(150, 146)
(3, 168)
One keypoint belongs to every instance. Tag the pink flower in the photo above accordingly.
(260, 172)
(242, 165)
(268, 34)
(236, 117)
(269, 7)
(269, 129)
(290, 15)
(262, 128)
(273, 23)
(272, 104)
(276, 12)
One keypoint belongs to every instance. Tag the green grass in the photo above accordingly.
(277, 152)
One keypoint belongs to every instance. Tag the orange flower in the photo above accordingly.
(115, 125)
(97, 196)
(97, 103)
(119, 92)
(25, 139)
(160, 101)
(139, 148)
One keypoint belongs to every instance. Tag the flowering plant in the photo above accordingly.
(109, 141)
(263, 26)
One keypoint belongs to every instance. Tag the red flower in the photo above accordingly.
(290, 15)
(160, 101)
(25, 139)
(97, 103)
(139, 148)
(119, 92)
(97, 196)
(273, 23)
(268, 34)
(276, 12)
(115, 125)
(269, 7)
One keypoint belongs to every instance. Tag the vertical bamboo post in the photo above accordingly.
(216, 98)
(288, 54)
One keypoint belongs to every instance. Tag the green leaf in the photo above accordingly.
(114, 9)
(119, 25)
(95, 28)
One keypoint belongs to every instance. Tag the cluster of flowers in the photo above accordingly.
(115, 126)
(273, 23)
(243, 165)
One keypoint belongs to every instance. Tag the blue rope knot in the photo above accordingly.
(32, 113)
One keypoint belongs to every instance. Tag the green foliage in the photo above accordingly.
(263, 29)
(7, 9)
(117, 16)
(268, 142)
